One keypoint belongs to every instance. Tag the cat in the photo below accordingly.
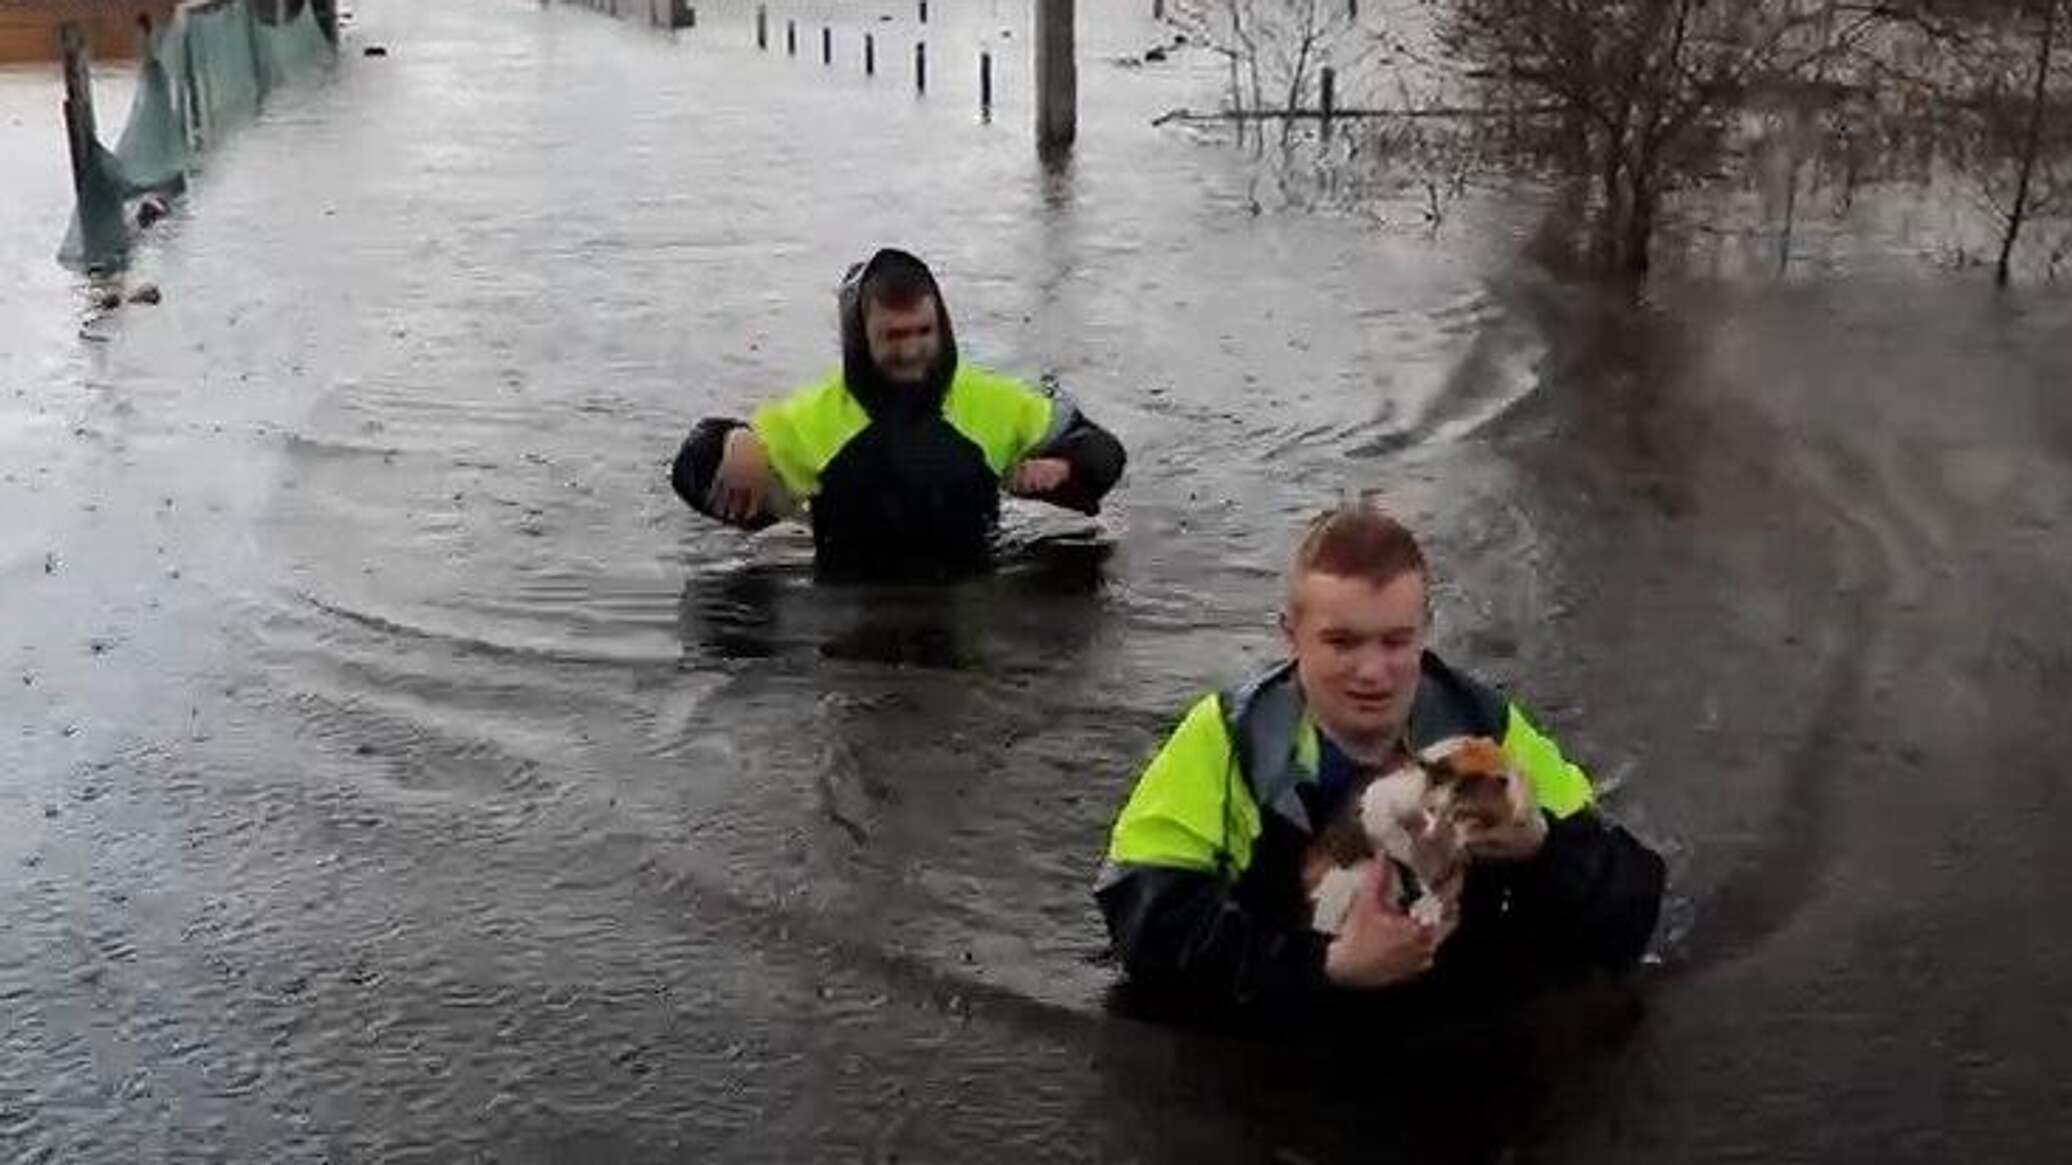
(1417, 816)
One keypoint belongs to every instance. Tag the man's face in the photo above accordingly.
(1357, 649)
(903, 340)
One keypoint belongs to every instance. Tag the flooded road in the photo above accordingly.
(399, 772)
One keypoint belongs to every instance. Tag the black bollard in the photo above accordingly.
(1329, 100)
(870, 55)
(985, 84)
(924, 11)
(762, 26)
(920, 66)
(827, 45)
(791, 38)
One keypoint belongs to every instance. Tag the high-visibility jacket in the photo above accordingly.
(906, 478)
(1202, 887)
(913, 485)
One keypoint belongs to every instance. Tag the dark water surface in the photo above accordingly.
(397, 771)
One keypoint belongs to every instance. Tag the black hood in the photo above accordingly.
(878, 396)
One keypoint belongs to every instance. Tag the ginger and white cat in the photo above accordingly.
(1417, 817)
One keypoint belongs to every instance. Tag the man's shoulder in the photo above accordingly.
(1452, 700)
(980, 379)
(1239, 696)
(829, 385)
(1437, 666)
(828, 396)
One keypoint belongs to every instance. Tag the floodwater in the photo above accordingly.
(397, 771)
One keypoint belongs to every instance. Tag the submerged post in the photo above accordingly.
(827, 45)
(920, 66)
(870, 55)
(1057, 76)
(791, 38)
(762, 26)
(1327, 101)
(985, 84)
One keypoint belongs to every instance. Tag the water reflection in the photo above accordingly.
(1039, 607)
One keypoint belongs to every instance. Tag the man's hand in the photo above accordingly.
(741, 485)
(1378, 945)
(1038, 477)
(1518, 835)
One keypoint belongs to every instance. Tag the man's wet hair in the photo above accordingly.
(897, 281)
(1356, 539)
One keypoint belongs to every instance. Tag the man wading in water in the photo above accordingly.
(1204, 887)
(898, 458)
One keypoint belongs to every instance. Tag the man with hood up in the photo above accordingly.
(899, 458)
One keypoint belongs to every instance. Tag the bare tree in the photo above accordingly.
(1275, 48)
(2021, 125)
(1650, 87)
(1635, 101)
(1998, 88)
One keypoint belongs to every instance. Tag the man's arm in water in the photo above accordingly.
(723, 471)
(756, 472)
(1590, 896)
(1562, 879)
(1067, 460)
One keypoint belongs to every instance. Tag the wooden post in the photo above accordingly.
(920, 66)
(827, 45)
(985, 84)
(762, 26)
(1057, 76)
(870, 55)
(924, 11)
(1327, 102)
(791, 38)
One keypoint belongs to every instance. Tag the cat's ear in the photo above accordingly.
(1438, 753)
